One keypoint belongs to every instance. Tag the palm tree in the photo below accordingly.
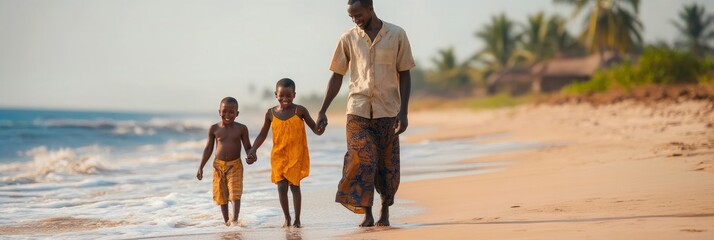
(696, 29)
(545, 37)
(449, 73)
(500, 39)
(610, 24)
(445, 60)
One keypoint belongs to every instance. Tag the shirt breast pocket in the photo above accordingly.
(386, 56)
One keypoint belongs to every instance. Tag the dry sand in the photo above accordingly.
(619, 171)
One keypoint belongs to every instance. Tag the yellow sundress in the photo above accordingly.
(289, 158)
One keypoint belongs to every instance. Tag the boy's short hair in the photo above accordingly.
(365, 3)
(229, 100)
(285, 83)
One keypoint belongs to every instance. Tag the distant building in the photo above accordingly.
(550, 75)
(515, 81)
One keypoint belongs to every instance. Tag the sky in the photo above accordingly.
(184, 56)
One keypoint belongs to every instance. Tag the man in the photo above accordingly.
(378, 57)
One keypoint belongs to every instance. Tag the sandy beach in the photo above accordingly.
(618, 171)
(615, 171)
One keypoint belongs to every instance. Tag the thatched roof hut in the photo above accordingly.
(550, 75)
(515, 81)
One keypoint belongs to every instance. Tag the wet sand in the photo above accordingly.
(58, 225)
(620, 171)
(322, 218)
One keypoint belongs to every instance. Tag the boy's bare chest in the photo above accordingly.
(227, 134)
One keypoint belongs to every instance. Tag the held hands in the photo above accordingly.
(199, 175)
(252, 157)
(321, 123)
(320, 130)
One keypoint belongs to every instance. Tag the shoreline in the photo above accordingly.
(619, 171)
(569, 171)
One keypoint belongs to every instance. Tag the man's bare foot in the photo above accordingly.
(383, 222)
(368, 218)
(287, 223)
(384, 218)
(297, 224)
(368, 221)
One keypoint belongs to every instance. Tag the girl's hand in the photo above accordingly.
(251, 158)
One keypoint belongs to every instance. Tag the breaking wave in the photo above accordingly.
(49, 165)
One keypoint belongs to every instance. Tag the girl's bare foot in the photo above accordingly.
(287, 223)
(297, 224)
(236, 223)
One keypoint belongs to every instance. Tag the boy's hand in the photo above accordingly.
(320, 131)
(199, 175)
(251, 158)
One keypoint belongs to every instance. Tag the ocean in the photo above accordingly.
(112, 175)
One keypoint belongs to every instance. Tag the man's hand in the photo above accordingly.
(199, 175)
(402, 122)
(321, 122)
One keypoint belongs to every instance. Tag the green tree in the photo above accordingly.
(609, 25)
(500, 43)
(544, 37)
(449, 73)
(695, 29)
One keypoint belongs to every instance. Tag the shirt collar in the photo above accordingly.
(381, 32)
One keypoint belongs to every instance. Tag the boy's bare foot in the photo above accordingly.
(297, 224)
(384, 218)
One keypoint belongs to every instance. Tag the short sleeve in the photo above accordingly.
(405, 60)
(341, 58)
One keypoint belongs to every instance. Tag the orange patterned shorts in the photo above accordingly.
(227, 181)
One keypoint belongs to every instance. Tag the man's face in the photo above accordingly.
(362, 16)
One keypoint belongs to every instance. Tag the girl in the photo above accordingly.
(289, 159)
